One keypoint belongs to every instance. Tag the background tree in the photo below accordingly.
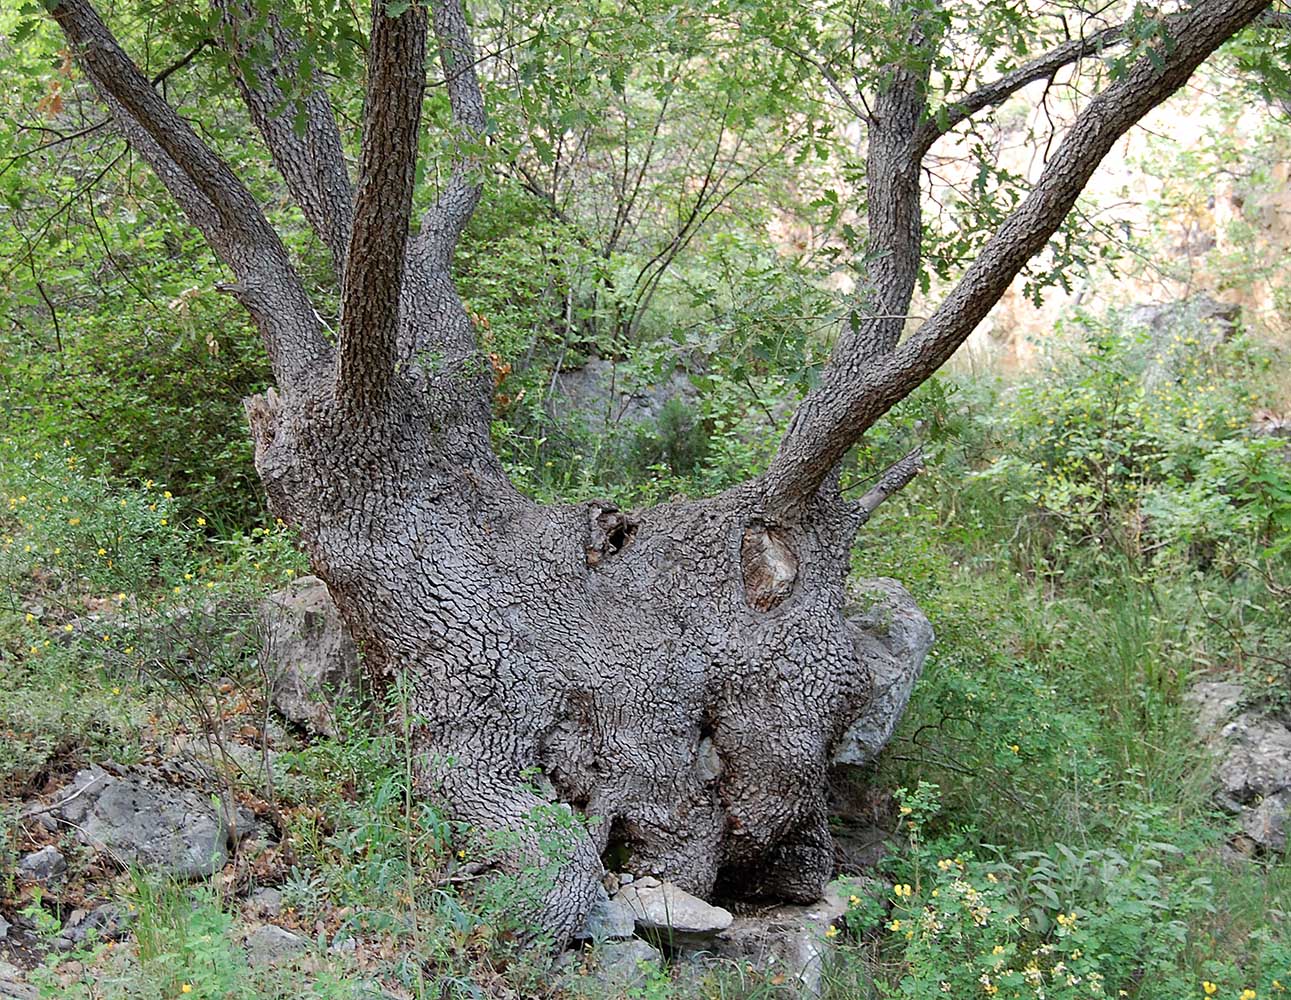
(681, 672)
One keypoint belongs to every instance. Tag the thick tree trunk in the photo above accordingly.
(678, 676)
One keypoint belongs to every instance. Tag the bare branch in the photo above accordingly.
(894, 222)
(209, 193)
(311, 161)
(893, 480)
(374, 271)
(854, 393)
(1000, 90)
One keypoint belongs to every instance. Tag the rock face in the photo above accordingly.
(140, 820)
(12, 987)
(669, 914)
(1254, 770)
(308, 653)
(897, 637)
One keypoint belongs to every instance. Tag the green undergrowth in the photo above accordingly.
(1088, 540)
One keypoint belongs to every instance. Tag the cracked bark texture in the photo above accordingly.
(679, 676)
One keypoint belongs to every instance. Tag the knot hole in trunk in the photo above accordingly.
(769, 565)
(611, 531)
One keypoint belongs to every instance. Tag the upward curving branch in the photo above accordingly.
(311, 159)
(894, 224)
(443, 224)
(208, 191)
(373, 282)
(856, 391)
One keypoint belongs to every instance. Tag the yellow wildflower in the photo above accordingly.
(1208, 987)
(832, 932)
(201, 522)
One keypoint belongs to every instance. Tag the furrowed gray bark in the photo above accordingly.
(374, 270)
(300, 132)
(678, 677)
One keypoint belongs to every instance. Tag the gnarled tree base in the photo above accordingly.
(680, 676)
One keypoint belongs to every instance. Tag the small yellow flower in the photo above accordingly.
(73, 521)
(116, 690)
(461, 854)
(166, 494)
(832, 932)
(67, 627)
(163, 522)
(906, 810)
(895, 925)
(1208, 987)
(1247, 995)
(853, 900)
(30, 618)
(201, 522)
(186, 988)
(1015, 748)
(103, 552)
(998, 950)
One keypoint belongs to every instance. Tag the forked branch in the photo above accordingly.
(208, 191)
(310, 159)
(856, 392)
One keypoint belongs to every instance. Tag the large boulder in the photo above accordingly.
(308, 654)
(138, 819)
(1181, 330)
(893, 636)
(666, 913)
(608, 920)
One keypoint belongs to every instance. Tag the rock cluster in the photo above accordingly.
(648, 918)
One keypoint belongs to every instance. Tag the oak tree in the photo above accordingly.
(680, 675)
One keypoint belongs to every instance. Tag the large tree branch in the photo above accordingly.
(311, 159)
(893, 204)
(443, 223)
(212, 197)
(373, 282)
(854, 393)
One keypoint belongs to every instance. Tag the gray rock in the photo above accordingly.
(140, 820)
(790, 940)
(608, 920)
(623, 964)
(310, 657)
(670, 914)
(104, 923)
(893, 636)
(266, 901)
(1266, 823)
(605, 394)
(12, 986)
(42, 865)
(1215, 703)
(1257, 759)
(1180, 330)
(269, 944)
(5, 927)
(1254, 769)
